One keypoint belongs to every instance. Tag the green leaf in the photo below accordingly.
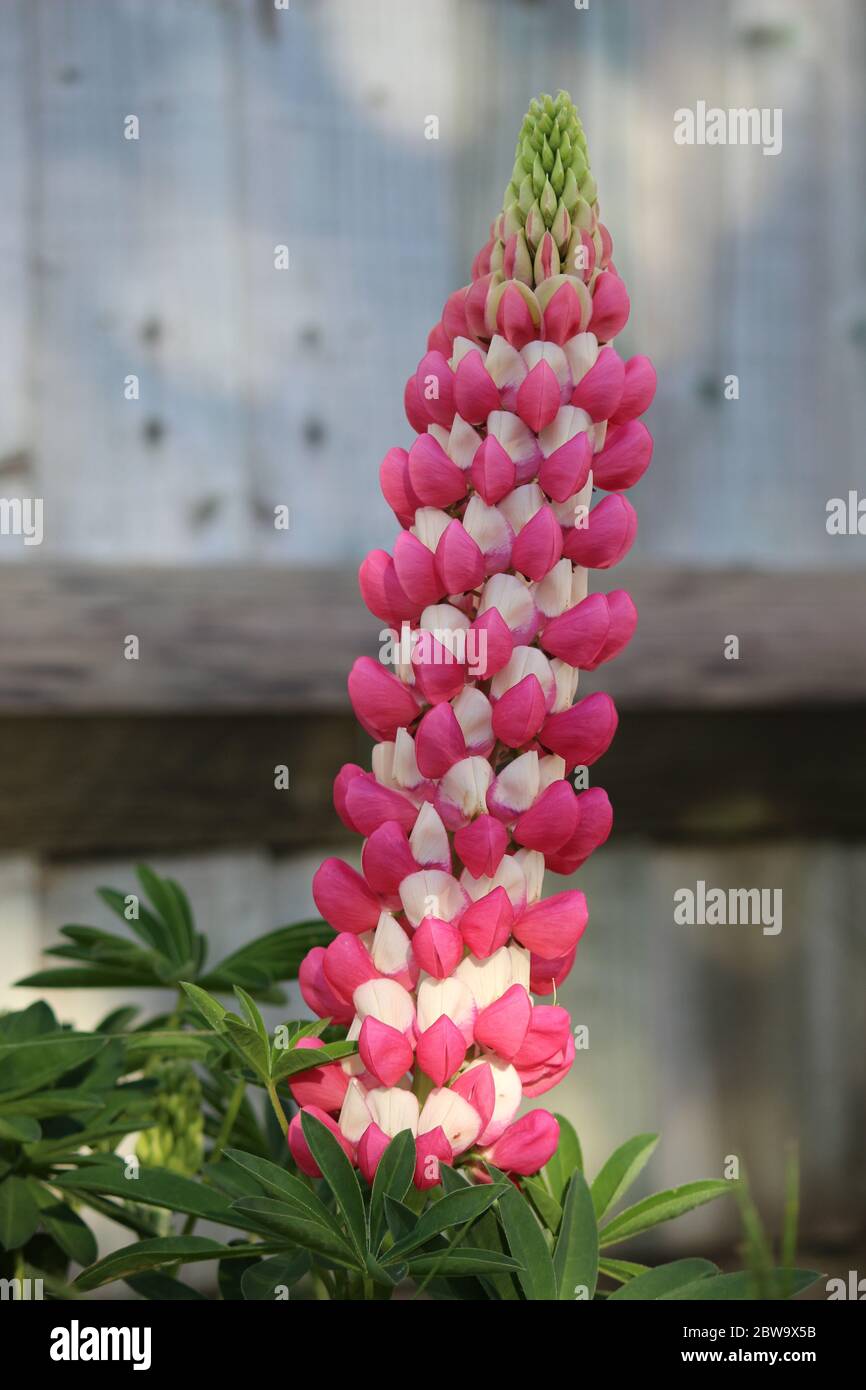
(254, 1018)
(249, 1044)
(285, 1185)
(741, 1286)
(73, 1236)
(393, 1179)
(276, 956)
(575, 1258)
(339, 1174)
(290, 1061)
(558, 1170)
(292, 1223)
(210, 1009)
(662, 1206)
(264, 1281)
(166, 1045)
(547, 1207)
(620, 1171)
(90, 977)
(19, 1213)
(454, 1209)
(146, 1255)
(528, 1246)
(400, 1217)
(28, 1066)
(664, 1280)
(461, 1261)
(23, 1025)
(621, 1270)
(162, 1288)
(21, 1129)
(153, 1187)
(68, 1101)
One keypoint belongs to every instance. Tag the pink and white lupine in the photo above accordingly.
(524, 413)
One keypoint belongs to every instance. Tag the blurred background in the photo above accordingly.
(152, 259)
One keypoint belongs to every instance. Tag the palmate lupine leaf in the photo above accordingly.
(169, 948)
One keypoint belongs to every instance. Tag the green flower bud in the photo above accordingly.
(176, 1141)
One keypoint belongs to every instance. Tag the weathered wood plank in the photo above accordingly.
(138, 785)
(244, 638)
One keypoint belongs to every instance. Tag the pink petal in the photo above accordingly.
(486, 923)
(551, 821)
(382, 703)
(435, 384)
(371, 804)
(578, 634)
(415, 567)
(584, 732)
(382, 592)
(514, 318)
(562, 315)
(539, 397)
(495, 653)
(527, 1144)
(413, 404)
(385, 1052)
(300, 1148)
(344, 899)
(638, 392)
(554, 926)
(317, 993)
(607, 537)
(492, 471)
(371, 1146)
(396, 487)
(348, 964)
(538, 547)
(439, 741)
(481, 845)
(501, 1027)
(623, 621)
(440, 1050)
(610, 307)
(599, 392)
(625, 457)
(431, 1149)
(437, 947)
(566, 470)
(475, 392)
(478, 1087)
(593, 828)
(386, 859)
(435, 478)
(520, 712)
(341, 782)
(549, 974)
(459, 561)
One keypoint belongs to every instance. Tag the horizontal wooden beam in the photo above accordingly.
(135, 785)
(242, 638)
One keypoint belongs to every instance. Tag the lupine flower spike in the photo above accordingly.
(528, 438)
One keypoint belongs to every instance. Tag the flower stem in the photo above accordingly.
(277, 1107)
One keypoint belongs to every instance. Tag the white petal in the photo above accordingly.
(393, 1109)
(391, 947)
(521, 505)
(429, 838)
(431, 893)
(354, 1115)
(509, 876)
(581, 353)
(387, 1001)
(465, 785)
